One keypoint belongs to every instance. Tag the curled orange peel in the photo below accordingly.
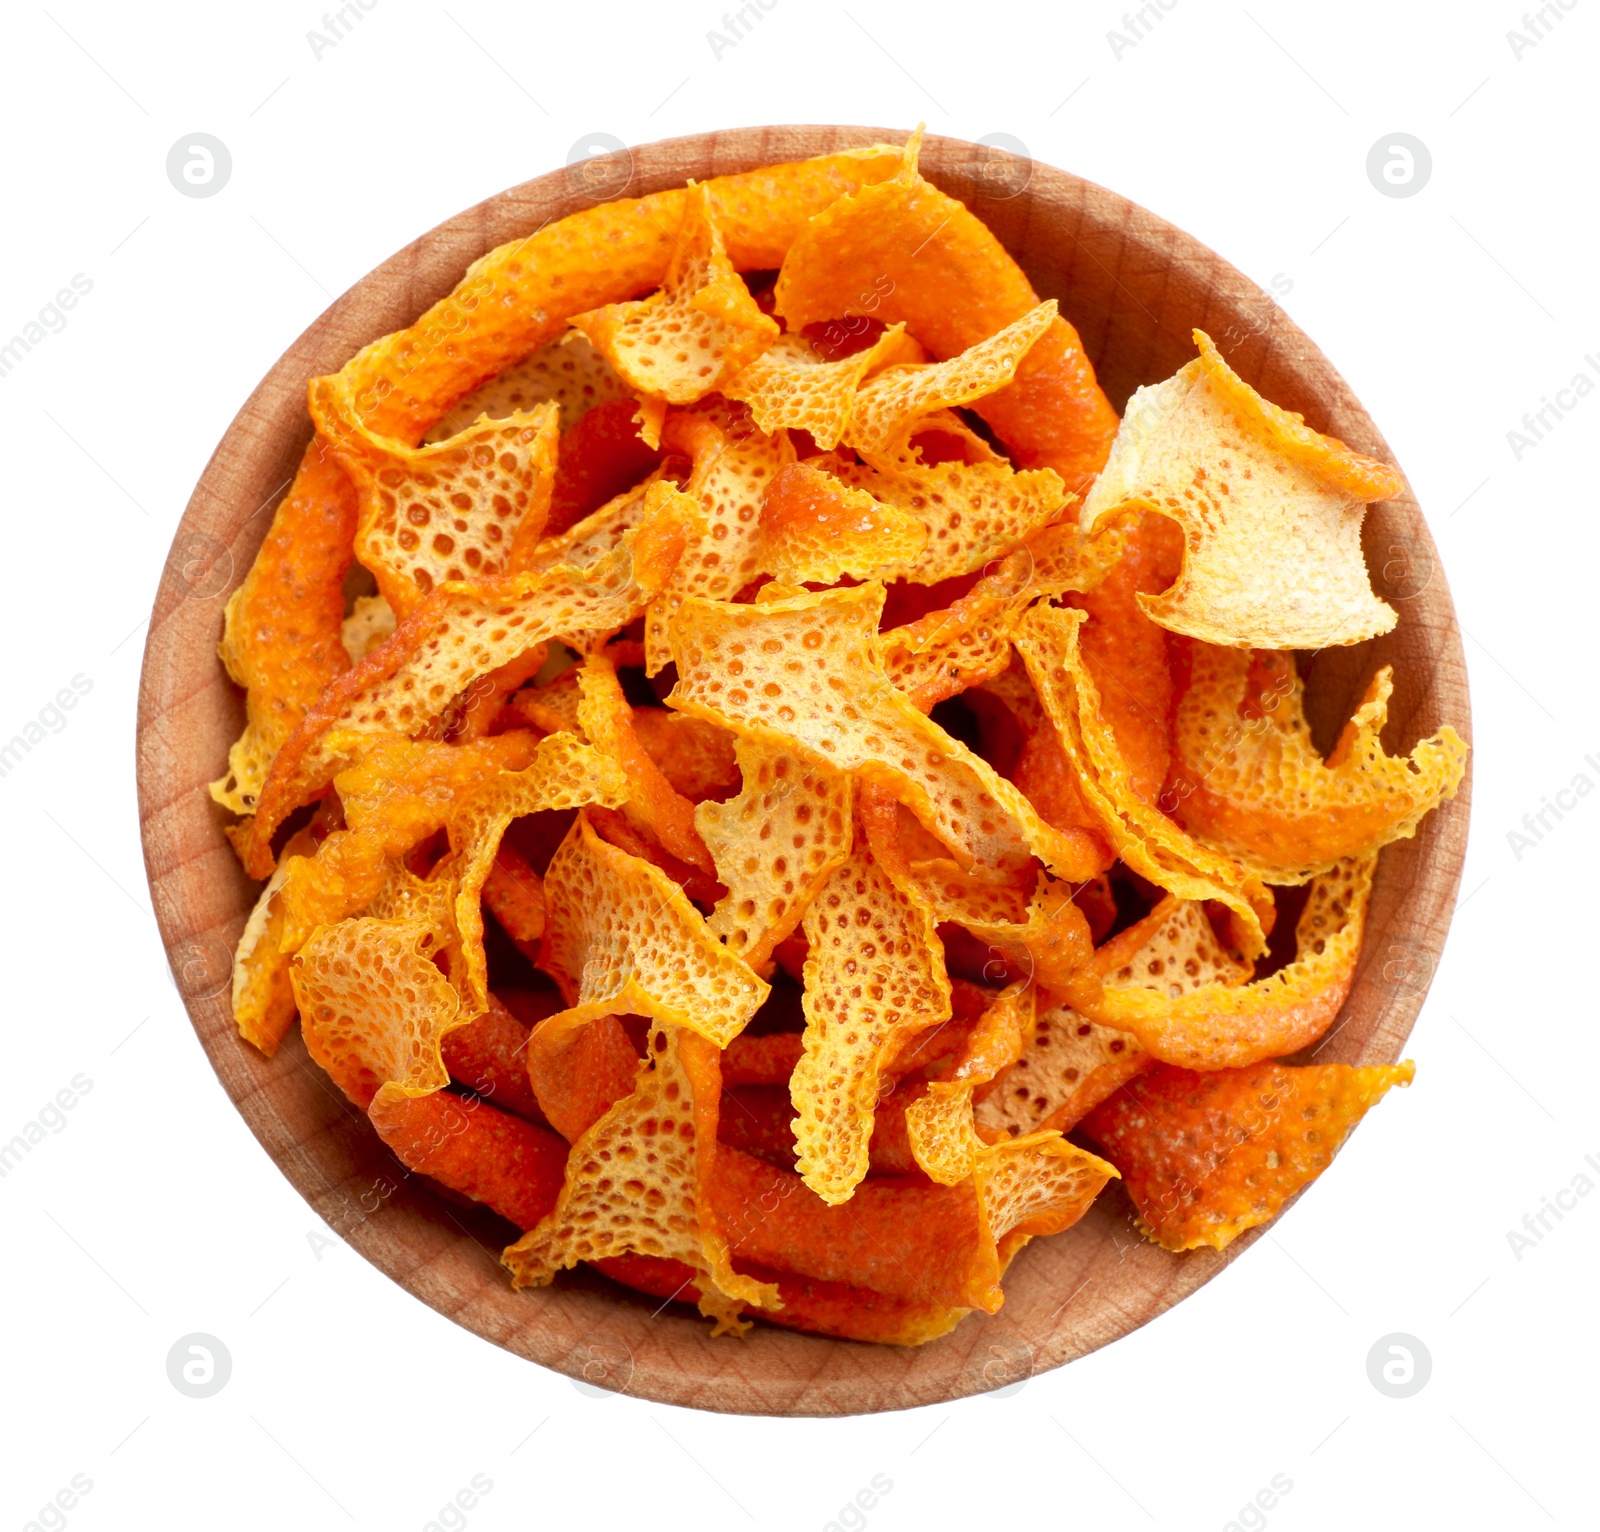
(637, 1182)
(1271, 511)
(568, 373)
(1248, 780)
(699, 329)
(374, 1008)
(874, 978)
(458, 634)
(1229, 1026)
(775, 844)
(793, 386)
(1207, 1156)
(263, 1000)
(734, 464)
(1149, 842)
(901, 250)
(621, 938)
(804, 674)
(1069, 1063)
(816, 530)
(467, 507)
(940, 1123)
(562, 774)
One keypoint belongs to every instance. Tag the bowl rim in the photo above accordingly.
(585, 1327)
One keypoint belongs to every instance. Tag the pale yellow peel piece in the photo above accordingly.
(1272, 512)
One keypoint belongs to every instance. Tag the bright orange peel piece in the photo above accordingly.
(1207, 1156)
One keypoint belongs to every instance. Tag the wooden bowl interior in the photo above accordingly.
(1135, 287)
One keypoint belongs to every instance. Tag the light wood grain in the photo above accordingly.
(1134, 286)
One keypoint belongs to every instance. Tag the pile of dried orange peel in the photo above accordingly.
(748, 752)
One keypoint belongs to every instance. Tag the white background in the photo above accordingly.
(153, 1213)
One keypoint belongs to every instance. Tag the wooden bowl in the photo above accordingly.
(1134, 286)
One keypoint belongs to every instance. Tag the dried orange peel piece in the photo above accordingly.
(905, 1237)
(973, 512)
(696, 757)
(651, 803)
(1150, 843)
(792, 386)
(394, 795)
(1070, 1063)
(370, 622)
(637, 1182)
(459, 633)
(734, 465)
(1207, 1156)
(775, 845)
(889, 406)
(459, 510)
(901, 250)
(374, 1008)
(1227, 1027)
(493, 1157)
(939, 1123)
(263, 1000)
(693, 334)
(1250, 782)
(874, 978)
(816, 530)
(563, 774)
(282, 627)
(568, 373)
(1272, 512)
(804, 674)
(621, 938)
(965, 643)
